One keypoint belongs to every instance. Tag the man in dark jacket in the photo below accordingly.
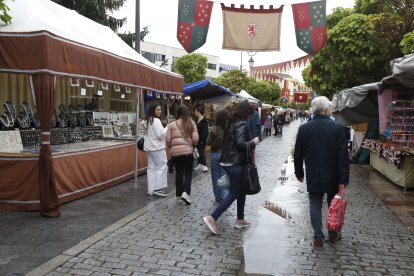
(322, 144)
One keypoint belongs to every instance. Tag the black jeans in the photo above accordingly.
(201, 147)
(183, 173)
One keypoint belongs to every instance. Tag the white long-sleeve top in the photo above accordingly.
(154, 138)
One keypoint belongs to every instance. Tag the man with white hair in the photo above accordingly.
(322, 144)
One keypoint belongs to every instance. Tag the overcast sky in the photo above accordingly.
(161, 18)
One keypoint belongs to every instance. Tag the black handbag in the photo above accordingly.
(140, 144)
(250, 181)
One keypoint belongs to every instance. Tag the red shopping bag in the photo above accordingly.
(336, 213)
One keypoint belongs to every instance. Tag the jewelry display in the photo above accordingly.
(6, 121)
(23, 120)
(10, 109)
(75, 135)
(401, 121)
(36, 121)
(27, 109)
(54, 119)
(59, 136)
(10, 141)
(30, 138)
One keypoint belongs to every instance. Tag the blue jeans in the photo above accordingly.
(235, 173)
(315, 201)
(217, 171)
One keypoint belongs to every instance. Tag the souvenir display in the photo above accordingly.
(10, 141)
(59, 136)
(75, 135)
(30, 138)
(93, 133)
(401, 121)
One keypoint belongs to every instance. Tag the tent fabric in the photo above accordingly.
(66, 43)
(356, 105)
(403, 70)
(247, 96)
(205, 89)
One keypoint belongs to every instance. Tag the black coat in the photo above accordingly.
(202, 128)
(236, 141)
(322, 144)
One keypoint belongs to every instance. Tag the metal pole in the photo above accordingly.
(241, 61)
(137, 28)
(139, 92)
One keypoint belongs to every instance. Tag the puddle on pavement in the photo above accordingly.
(280, 211)
(263, 253)
(260, 246)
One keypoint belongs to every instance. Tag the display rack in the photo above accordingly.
(401, 121)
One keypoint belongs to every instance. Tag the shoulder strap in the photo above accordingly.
(185, 138)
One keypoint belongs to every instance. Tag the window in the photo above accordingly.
(159, 57)
(211, 66)
(149, 56)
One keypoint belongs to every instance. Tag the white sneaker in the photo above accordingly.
(161, 192)
(205, 169)
(186, 198)
(198, 167)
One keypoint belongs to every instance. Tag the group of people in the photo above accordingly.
(229, 140)
(321, 144)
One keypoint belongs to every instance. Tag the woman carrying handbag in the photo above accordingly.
(154, 147)
(181, 136)
(236, 141)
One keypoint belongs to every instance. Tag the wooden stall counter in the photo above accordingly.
(80, 169)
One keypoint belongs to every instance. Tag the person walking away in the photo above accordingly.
(268, 124)
(287, 118)
(181, 136)
(202, 128)
(254, 126)
(322, 144)
(280, 120)
(154, 148)
(215, 140)
(236, 142)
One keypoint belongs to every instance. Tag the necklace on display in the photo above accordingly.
(11, 109)
(27, 109)
(24, 121)
(5, 120)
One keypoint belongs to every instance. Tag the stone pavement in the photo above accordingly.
(167, 237)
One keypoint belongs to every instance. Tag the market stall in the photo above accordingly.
(392, 103)
(213, 96)
(56, 63)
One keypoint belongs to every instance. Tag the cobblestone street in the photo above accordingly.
(169, 238)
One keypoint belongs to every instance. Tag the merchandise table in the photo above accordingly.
(80, 169)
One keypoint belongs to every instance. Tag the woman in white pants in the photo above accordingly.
(154, 147)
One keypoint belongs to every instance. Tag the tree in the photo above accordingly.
(354, 54)
(336, 16)
(407, 43)
(4, 15)
(234, 80)
(100, 11)
(263, 90)
(193, 67)
(129, 38)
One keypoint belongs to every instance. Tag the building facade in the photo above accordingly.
(165, 56)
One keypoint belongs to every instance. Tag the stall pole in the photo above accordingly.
(136, 136)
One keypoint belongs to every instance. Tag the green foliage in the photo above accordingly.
(336, 16)
(370, 6)
(234, 80)
(193, 67)
(263, 90)
(98, 10)
(129, 38)
(354, 54)
(407, 43)
(4, 15)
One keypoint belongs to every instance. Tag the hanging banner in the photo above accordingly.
(251, 29)
(301, 97)
(310, 26)
(193, 23)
